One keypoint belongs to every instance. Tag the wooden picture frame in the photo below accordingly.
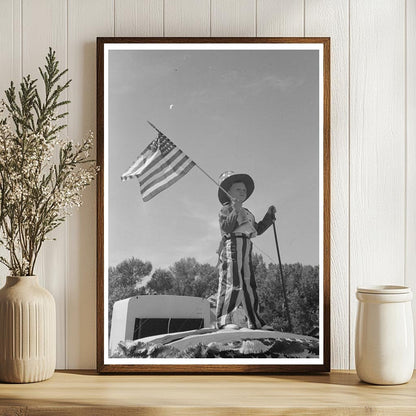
(199, 93)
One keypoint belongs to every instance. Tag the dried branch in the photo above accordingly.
(36, 192)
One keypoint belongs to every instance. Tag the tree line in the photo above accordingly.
(187, 277)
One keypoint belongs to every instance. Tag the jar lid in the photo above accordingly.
(384, 289)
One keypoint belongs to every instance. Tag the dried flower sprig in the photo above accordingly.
(41, 176)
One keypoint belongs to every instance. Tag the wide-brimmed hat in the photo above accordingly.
(226, 179)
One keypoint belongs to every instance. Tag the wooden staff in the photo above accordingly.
(282, 278)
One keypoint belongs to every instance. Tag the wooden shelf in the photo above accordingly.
(87, 393)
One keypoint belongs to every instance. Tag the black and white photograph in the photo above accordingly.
(212, 194)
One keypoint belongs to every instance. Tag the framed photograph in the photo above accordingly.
(213, 205)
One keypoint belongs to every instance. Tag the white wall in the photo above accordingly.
(373, 132)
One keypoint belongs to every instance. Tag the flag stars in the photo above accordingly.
(165, 145)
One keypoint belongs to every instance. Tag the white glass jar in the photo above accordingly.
(384, 337)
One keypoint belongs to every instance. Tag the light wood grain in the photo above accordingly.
(187, 18)
(280, 18)
(37, 38)
(86, 21)
(411, 151)
(377, 152)
(339, 393)
(138, 17)
(233, 18)
(330, 18)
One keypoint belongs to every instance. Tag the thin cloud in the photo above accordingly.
(200, 212)
(273, 82)
(238, 84)
(203, 250)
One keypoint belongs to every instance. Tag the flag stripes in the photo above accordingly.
(145, 158)
(156, 166)
(163, 173)
(159, 166)
(168, 182)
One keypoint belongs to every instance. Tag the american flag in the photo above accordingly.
(159, 166)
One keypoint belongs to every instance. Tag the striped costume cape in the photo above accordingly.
(237, 284)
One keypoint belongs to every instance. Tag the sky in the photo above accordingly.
(248, 111)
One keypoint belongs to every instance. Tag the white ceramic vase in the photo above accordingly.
(27, 331)
(384, 338)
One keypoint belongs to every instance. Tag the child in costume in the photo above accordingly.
(237, 283)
